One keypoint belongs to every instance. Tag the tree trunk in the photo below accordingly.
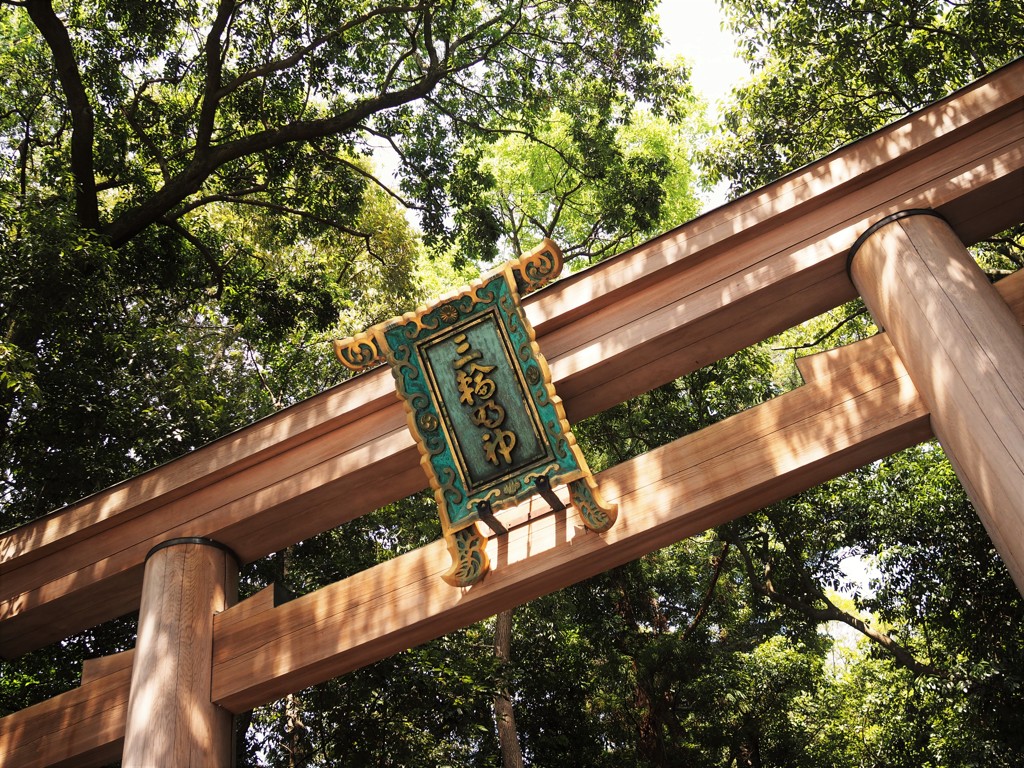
(635, 606)
(294, 730)
(504, 714)
(80, 110)
(747, 753)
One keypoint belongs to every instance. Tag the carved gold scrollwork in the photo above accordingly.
(468, 548)
(596, 513)
(358, 352)
(537, 268)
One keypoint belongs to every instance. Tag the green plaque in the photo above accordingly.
(480, 403)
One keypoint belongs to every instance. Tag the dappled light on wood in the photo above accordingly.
(82, 727)
(169, 713)
(866, 410)
(964, 350)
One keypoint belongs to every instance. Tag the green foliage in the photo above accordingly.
(186, 225)
(945, 658)
(678, 408)
(147, 363)
(49, 671)
(186, 197)
(827, 73)
(596, 189)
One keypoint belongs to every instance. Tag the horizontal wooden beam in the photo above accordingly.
(855, 406)
(861, 412)
(709, 288)
(263, 651)
(78, 729)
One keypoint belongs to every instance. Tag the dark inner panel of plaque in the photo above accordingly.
(486, 345)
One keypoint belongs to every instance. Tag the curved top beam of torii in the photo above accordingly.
(717, 284)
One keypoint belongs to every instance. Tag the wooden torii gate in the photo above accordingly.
(863, 220)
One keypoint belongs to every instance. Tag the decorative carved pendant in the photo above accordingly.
(480, 403)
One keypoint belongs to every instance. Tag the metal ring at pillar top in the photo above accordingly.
(881, 223)
(195, 540)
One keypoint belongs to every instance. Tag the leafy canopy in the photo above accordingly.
(188, 209)
(828, 72)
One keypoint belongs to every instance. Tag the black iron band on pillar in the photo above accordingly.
(877, 226)
(195, 540)
(881, 223)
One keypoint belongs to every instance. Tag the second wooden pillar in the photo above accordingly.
(964, 351)
(171, 718)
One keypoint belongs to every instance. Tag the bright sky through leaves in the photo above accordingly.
(693, 29)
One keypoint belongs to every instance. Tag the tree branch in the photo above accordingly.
(901, 655)
(148, 143)
(82, 122)
(209, 157)
(706, 602)
(387, 190)
(286, 62)
(238, 199)
(825, 335)
(214, 68)
(279, 208)
(204, 163)
(23, 152)
(392, 73)
(531, 136)
(275, 400)
(199, 245)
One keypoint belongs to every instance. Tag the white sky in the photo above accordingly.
(693, 29)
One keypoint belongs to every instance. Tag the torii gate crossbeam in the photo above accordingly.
(722, 282)
(858, 405)
(705, 290)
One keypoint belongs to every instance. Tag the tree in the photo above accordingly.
(828, 72)
(712, 652)
(596, 189)
(142, 140)
(532, 190)
(645, 665)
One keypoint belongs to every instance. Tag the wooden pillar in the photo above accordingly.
(964, 351)
(171, 719)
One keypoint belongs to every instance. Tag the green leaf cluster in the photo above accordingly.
(826, 73)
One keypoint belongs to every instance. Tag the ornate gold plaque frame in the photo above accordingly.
(481, 406)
